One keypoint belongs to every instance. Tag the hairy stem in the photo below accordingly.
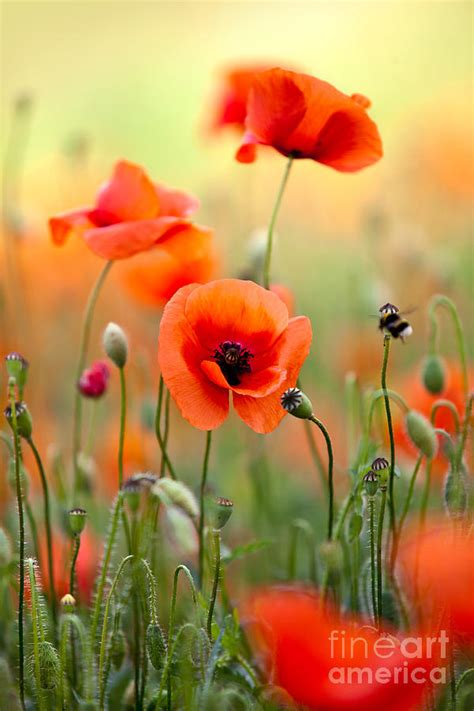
(271, 227)
(205, 467)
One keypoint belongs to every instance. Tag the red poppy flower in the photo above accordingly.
(189, 257)
(304, 117)
(439, 573)
(86, 564)
(131, 215)
(231, 103)
(310, 651)
(230, 336)
(286, 295)
(418, 398)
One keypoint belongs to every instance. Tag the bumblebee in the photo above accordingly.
(391, 322)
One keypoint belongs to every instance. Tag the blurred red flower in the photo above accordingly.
(131, 215)
(286, 295)
(304, 117)
(231, 102)
(188, 257)
(438, 563)
(309, 650)
(230, 336)
(86, 565)
(93, 381)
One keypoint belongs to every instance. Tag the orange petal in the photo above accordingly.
(128, 238)
(247, 152)
(202, 403)
(129, 195)
(61, 226)
(257, 384)
(236, 310)
(349, 141)
(176, 203)
(264, 414)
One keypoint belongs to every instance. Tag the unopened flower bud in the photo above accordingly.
(77, 520)
(421, 433)
(49, 665)
(115, 344)
(68, 603)
(433, 374)
(371, 483)
(156, 645)
(297, 403)
(17, 367)
(93, 381)
(220, 511)
(177, 494)
(380, 463)
(24, 423)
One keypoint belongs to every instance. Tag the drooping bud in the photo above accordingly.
(421, 433)
(180, 531)
(371, 483)
(17, 367)
(380, 463)
(93, 381)
(77, 520)
(220, 511)
(68, 603)
(24, 422)
(156, 645)
(49, 665)
(434, 374)
(115, 344)
(177, 494)
(5, 549)
(297, 403)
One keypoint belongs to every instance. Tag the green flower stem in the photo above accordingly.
(49, 538)
(379, 557)
(159, 436)
(37, 634)
(216, 537)
(103, 638)
(271, 228)
(464, 432)
(33, 529)
(75, 553)
(373, 569)
(123, 416)
(72, 622)
(21, 524)
(444, 301)
(174, 594)
(405, 511)
(166, 431)
(205, 467)
(326, 436)
(171, 651)
(449, 406)
(83, 348)
(463, 677)
(298, 526)
(315, 454)
(391, 501)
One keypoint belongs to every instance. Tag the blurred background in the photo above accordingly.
(87, 83)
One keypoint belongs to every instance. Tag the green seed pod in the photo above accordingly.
(177, 494)
(297, 403)
(5, 549)
(156, 645)
(421, 433)
(220, 511)
(24, 479)
(354, 527)
(118, 649)
(17, 367)
(455, 493)
(77, 520)
(371, 483)
(24, 422)
(49, 665)
(115, 344)
(433, 374)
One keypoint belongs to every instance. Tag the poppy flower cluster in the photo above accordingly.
(230, 336)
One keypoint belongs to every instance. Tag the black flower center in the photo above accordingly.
(233, 360)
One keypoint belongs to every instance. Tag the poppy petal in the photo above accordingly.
(201, 402)
(247, 151)
(129, 194)
(256, 385)
(236, 310)
(128, 238)
(264, 414)
(61, 226)
(349, 141)
(176, 203)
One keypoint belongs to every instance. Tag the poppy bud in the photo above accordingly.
(421, 433)
(24, 422)
(49, 665)
(68, 603)
(77, 520)
(455, 493)
(17, 367)
(433, 374)
(156, 645)
(5, 549)
(379, 464)
(221, 511)
(297, 403)
(115, 344)
(177, 494)
(93, 381)
(371, 483)
(132, 491)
